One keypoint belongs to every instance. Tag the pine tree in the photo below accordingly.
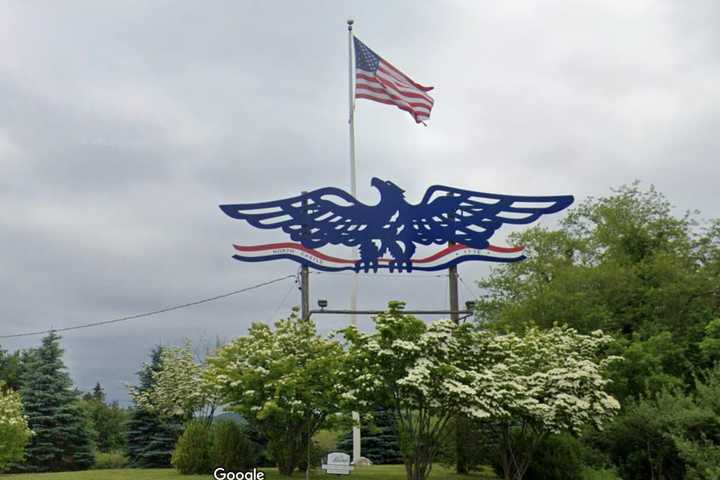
(61, 440)
(151, 438)
(379, 440)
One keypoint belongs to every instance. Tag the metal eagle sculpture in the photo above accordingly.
(393, 226)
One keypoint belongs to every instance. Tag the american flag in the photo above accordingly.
(376, 79)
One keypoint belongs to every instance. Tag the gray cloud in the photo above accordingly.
(123, 125)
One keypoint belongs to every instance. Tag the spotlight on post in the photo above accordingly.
(322, 303)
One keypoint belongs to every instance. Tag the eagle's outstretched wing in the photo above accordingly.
(471, 218)
(326, 215)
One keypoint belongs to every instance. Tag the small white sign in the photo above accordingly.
(338, 463)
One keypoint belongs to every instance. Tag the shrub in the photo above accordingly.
(110, 460)
(192, 452)
(231, 448)
(557, 458)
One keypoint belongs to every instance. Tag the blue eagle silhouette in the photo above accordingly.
(445, 214)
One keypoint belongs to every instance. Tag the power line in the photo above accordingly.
(151, 313)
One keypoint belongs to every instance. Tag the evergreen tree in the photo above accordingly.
(61, 440)
(10, 369)
(379, 440)
(107, 420)
(151, 438)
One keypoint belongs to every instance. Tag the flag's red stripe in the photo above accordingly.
(400, 85)
(393, 90)
(385, 93)
(382, 87)
(404, 91)
(420, 110)
(418, 116)
(390, 68)
(387, 96)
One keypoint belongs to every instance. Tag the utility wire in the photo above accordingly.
(154, 312)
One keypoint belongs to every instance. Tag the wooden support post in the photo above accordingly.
(305, 273)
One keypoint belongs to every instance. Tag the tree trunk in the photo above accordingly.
(461, 460)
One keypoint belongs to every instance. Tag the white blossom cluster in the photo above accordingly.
(14, 429)
(553, 379)
(288, 371)
(178, 387)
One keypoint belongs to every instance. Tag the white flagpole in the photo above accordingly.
(357, 450)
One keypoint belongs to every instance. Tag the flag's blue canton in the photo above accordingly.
(365, 59)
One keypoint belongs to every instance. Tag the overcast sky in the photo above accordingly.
(124, 124)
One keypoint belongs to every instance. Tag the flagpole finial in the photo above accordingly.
(350, 23)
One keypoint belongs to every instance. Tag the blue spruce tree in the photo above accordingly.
(62, 440)
(379, 440)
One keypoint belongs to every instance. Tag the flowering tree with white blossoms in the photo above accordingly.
(542, 382)
(421, 371)
(545, 381)
(285, 381)
(14, 430)
(178, 388)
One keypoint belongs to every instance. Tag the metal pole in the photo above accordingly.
(357, 440)
(353, 165)
(305, 272)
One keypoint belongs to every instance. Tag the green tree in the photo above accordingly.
(14, 430)
(10, 369)
(674, 435)
(107, 420)
(625, 264)
(177, 389)
(61, 439)
(284, 381)
(151, 437)
(524, 386)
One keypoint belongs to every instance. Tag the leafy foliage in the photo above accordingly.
(61, 439)
(151, 437)
(107, 421)
(192, 452)
(177, 388)
(674, 435)
(624, 264)
(283, 381)
(546, 381)
(14, 430)
(232, 448)
(10, 369)
(114, 460)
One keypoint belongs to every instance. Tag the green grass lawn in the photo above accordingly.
(375, 472)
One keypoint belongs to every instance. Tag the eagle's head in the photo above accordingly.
(387, 188)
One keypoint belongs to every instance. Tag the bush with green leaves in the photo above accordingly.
(14, 430)
(192, 452)
(673, 436)
(231, 447)
(559, 457)
(113, 460)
